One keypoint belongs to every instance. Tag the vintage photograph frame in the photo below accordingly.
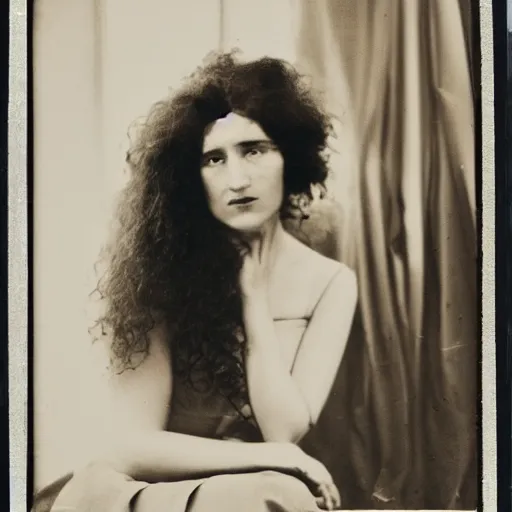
(21, 260)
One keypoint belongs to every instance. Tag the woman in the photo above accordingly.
(222, 326)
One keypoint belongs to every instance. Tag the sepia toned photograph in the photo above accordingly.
(255, 256)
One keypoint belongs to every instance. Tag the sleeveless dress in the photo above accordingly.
(205, 414)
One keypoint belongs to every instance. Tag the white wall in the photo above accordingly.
(68, 198)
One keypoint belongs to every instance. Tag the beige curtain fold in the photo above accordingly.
(400, 428)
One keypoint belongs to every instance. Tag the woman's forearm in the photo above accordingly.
(161, 456)
(277, 404)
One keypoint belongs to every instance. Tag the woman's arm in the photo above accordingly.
(324, 341)
(159, 456)
(280, 410)
(165, 456)
(128, 432)
(286, 405)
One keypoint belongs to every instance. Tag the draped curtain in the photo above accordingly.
(400, 428)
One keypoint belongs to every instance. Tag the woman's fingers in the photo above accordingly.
(316, 476)
(256, 248)
(326, 494)
(260, 250)
(335, 494)
(265, 253)
(320, 502)
(329, 498)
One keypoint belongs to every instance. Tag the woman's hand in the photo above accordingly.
(255, 270)
(311, 471)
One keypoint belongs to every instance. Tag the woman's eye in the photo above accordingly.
(213, 161)
(254, 152)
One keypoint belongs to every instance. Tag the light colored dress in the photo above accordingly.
(205, 414)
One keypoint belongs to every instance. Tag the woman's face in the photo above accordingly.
(242, 172)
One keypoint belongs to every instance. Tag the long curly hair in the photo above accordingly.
(170, 260)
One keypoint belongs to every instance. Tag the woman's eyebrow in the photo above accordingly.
(213, 151)
(257, 142)
(244, 144)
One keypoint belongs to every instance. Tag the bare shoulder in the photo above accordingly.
(308, 275)
(320, 267)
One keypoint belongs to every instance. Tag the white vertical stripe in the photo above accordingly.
(489, 460)
(17, 254)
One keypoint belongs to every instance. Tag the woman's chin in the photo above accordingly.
(251, 224)
(248, 226)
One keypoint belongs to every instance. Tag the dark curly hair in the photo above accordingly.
(170, 260)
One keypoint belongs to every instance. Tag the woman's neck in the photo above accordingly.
(270, 236)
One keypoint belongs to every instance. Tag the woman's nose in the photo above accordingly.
(238, 176)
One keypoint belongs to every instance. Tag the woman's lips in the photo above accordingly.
(242, 201)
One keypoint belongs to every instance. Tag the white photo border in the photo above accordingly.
(18, 259)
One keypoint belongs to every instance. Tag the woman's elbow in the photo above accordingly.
(112, 453)
(300, 425)
(291, 431)
(303, 430)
